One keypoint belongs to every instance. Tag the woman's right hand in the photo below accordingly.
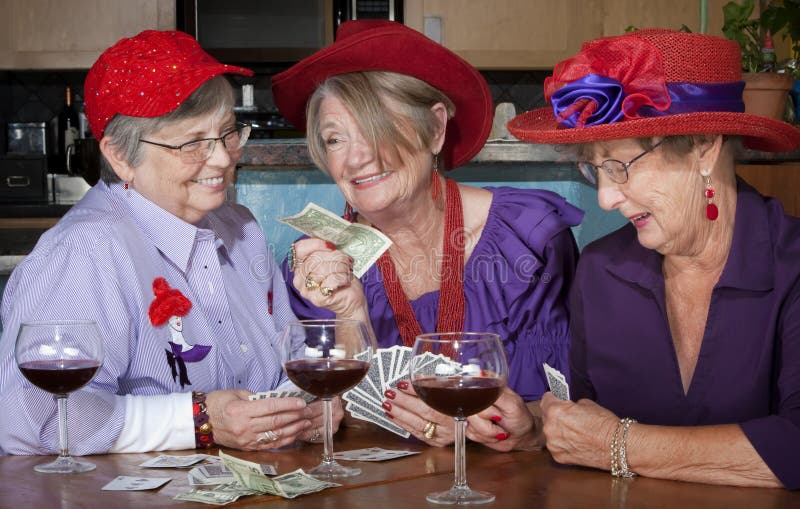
(319, 269)
(238, 422)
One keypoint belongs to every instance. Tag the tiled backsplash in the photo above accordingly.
(31, 96)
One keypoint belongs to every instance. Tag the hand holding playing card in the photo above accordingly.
(557, 382)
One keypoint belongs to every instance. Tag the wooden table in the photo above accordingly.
(518, 479)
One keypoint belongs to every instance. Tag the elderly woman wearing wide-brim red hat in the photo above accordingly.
(387, 111)
(156, 256)
(685, 359)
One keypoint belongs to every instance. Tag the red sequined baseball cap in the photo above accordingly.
(148, 75)
(381, 45)
(651, 82)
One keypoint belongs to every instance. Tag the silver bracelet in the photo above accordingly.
(619, 457)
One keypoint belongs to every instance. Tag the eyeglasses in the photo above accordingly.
(197, 151)
(616, 170)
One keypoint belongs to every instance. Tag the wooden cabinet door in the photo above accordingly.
(508, 34)
(621, 14)
(71, 34)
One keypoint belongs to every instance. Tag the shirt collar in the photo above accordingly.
(749, 265)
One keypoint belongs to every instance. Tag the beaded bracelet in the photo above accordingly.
(619, 457)
(203, 434)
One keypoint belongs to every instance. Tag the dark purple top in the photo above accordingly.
(748, 369)
(516, 283)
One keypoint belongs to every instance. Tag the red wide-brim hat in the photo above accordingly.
(648, 83)
(380, 45)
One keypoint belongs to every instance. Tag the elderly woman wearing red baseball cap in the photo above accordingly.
(180, 282)
(387, 111)
(685, 357)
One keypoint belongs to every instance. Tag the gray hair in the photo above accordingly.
(215, 95)
(383, 104)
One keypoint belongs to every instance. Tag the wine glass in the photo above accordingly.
(459, 374)
(326, 358)
(60, 357)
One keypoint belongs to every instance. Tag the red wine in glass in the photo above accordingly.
(459, 374)
(59, 377)
(326, 378)
(60, 357)
(326, 358)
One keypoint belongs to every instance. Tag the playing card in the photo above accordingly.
(385, 356)
(371, 454)
(169, 461)
(283, 394)
(366, 414)
(128, 483)
(557, 382)
(401, 360)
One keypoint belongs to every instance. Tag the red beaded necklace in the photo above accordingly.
(452, 304)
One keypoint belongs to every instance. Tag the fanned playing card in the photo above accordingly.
(557, 382)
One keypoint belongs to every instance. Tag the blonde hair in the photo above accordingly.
(386, 106)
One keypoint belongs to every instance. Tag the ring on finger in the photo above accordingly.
(310, 282)
(429, 431)
(292, 258)
(268, 436)
(326, 291)
(315, 436)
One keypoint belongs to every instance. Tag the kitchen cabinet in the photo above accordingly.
(536, 34)
(71, 34)
(781, 181)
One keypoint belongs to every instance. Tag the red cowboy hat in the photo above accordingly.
(648, 83)
(380, 45)
(148, 75)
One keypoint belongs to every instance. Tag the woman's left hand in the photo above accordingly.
(578, 433)
(404, 408)
(506, 425)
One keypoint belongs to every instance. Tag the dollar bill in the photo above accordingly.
(207, 497)
(291, 485)
(362, 243)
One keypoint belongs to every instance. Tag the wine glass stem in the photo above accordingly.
(62, 425)
(461, 460)
(327, 416)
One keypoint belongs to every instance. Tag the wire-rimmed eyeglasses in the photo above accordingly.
(197, 151)
(616, 170)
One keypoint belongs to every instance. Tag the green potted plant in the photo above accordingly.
(766, 90)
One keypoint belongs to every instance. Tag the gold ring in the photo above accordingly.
(326, 291)
(310, 283)
(316, 436)
(292, 258)
(429, 430)
(268, 436)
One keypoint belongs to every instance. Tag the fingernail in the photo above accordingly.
(387, 406)
(330, 245)
(389, 393)
(351, 260)
(402, 385)
(501, 436)
(496, 418)
(301, 403)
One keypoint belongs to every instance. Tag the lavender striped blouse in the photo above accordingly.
(99, 263)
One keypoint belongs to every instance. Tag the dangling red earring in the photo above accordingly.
(436, 183)
(349, 213)
(126, 185)
(712, 212)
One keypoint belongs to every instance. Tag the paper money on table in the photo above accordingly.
(362, 243)
(250, 475)
(207, 497)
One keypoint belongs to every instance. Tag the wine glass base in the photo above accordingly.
(460, 496)
(332, 470)
(65, 465)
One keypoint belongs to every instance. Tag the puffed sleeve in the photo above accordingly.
(776, 437)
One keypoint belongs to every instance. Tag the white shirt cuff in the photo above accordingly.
(157, 423)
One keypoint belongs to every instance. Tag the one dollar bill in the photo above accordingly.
(362, 243)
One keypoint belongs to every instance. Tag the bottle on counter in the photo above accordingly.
(768, 59)
(66, 135)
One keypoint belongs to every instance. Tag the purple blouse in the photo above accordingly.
(748, 369)
(516, 283)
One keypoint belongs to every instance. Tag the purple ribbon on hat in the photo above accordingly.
(598, 100)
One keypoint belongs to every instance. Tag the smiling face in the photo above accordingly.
(188, 190)
(372, 180)
(663, 197)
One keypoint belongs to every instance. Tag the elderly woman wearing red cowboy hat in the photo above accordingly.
(685, 356)
(386, 110)
(181, 284)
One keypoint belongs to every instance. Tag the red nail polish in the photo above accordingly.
(402, 385)
(387, 406)
(330, 245)
(501, 436)
(389, 393)
(496, 418)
